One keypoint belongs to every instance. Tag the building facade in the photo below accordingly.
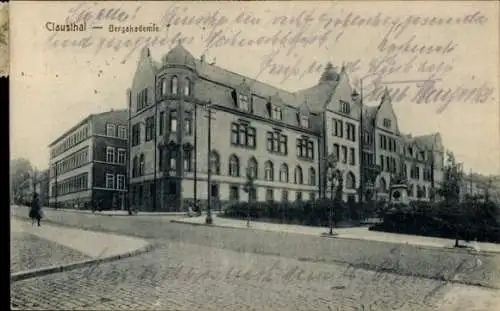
(88, 163)
(280, 138)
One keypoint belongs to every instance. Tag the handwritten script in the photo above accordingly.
(394, 46)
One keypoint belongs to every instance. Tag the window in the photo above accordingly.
(110, 181)
(187, 87)
(352, 156)
(338, 129)
(345, 107)
(305, 148)
(121, 156)
(234, 193)
(173, 160)
(234, 166)
(136, 134)
(122, 132)
(110, 130)
(243, 135)
(269, 171)
(387, 123)
(188, 159)
(244, 102)
(350, 181)
(164, 85)
(312, 196)
(284, 173)
(188, 123)
(298, 196)
(312, 176)
(252, 194)
(173, 121)
(276, 113)
(135, 167)
(304, 121)
(298, 176)
(150, 128)
(336, 151)
(215, 163)
(141, 165)
(110, 154)
(162, 123)
(351, 131)
(142, 99)
(277, 142)
(161, 158)
(284, 196)
(269, 195)
(344, 154)
(174, 85)
(120, 182)
(253, 169)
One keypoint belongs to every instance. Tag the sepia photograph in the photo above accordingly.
(260, 155)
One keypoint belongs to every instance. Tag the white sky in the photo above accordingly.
(53, 88)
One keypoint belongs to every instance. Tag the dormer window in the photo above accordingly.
(304, 121)
(387, 123)
(345, 107)
(244, 102)
(276, 113)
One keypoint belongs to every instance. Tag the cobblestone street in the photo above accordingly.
(31, 252)
(189, 277)
(198, 267)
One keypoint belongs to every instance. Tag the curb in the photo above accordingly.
(27, 274)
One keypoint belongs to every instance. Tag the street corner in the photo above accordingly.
(51, 249)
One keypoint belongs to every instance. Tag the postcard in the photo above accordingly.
(254, 155)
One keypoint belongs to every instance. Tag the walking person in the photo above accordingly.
(35, 210)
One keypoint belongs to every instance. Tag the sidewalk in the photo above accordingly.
(358, 233)
(100, 247)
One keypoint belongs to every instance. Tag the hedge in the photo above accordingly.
(467, 220)
(313, 213)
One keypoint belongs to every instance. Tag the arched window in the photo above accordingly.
(350, 181)
(234, 166)
(269, 171)
(135, 164)
(215, 162)
(164, 86)
(141, 165)
(382, 185)
(284, 173)
(187, 87)
(253, 167)
(411, 190)
(174, 85)
(312, 176)
(298, 175)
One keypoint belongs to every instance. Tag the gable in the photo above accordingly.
(386, 117)
(341, 100)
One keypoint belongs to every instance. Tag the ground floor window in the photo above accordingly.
(234, 192)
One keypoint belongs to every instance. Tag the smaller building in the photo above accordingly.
(88, 163)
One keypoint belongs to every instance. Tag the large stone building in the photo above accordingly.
(88, 162)
(281, 138)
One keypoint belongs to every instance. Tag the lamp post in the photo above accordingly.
(249, 188)
(208, 219)
(330, 165)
